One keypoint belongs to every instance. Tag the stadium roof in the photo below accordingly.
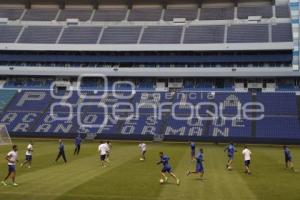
(96, 3)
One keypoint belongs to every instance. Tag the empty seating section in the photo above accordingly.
(80, 14)
(11, 13)
(5, 97)
(251, 33)
(29, 111)
(263, 11)
(40, 34)
(40, 14)
(121, 35)
(204, 34)
(282, 33)
(145, 14)
(80, 35)
(187, 13)
(9, 34)
(217, 13)
(282, 12)
(162, 35)
(283, 127)
(113, 14)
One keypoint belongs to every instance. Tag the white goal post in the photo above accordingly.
(4, 135)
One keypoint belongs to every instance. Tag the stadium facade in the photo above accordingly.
(177, 70)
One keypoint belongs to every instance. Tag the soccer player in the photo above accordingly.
(61, 151)
(143, 148)
(288, 158)
(193, 150)
(164, 160)
(28, 155)
(230, 152)
(247, 157)
(12, 158)
(103, 149)
(199, 165)
(109, 146)
(78, 141)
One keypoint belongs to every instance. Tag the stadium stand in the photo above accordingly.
(281, 33)
(282, 11)
(112, 14)
(174, 54)
(162, 35)
(80, 35)
(11, 13)
(40, 34)
(80, 14)
(245, 11)
(248, 33)
(9, 34)
(187, 13)
(40, 14)
(121, 35)
(145, 14)
(204, 34)
(217, 13)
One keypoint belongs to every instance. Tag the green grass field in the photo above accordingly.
(129, 178)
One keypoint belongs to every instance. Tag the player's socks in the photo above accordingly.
(3, 183)
(166, 179)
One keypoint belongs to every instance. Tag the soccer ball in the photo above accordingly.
(161, 181)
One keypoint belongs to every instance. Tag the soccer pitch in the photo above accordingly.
(129, 178)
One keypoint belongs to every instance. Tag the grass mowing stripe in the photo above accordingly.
(59, 179)
(217, 183)
(134, 178)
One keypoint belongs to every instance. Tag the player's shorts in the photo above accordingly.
(247, 163)
(28, 157)
(288, 159)
(230, 156)
(102, 157)
(193, 153)
(11, 168)
(166, 169)
(199, 168)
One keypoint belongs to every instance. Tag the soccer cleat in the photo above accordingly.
(14, 184)
(3, 183)
(178, 181)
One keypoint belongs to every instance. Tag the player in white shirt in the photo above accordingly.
(12, 158)
(103, 149)
(109, 146)
(143, 148)
(28, 155)
(247, 158)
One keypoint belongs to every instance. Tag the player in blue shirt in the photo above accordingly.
(164, 160)
(193, 150)
(288, 158)
(199, 165)
(230, 153)
(77, 142)
(61, 151)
